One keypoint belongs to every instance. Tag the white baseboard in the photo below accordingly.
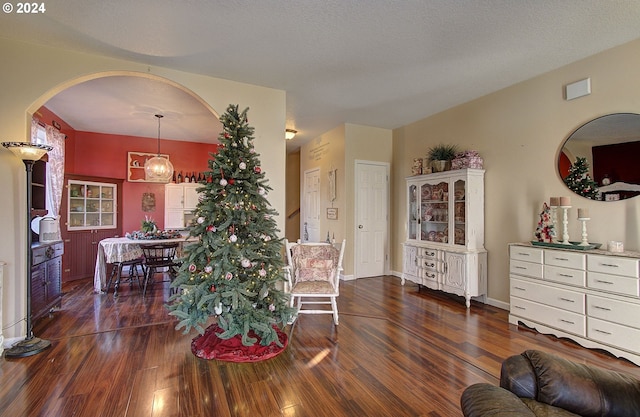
(497, 303)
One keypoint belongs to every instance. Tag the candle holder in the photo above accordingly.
(585, 241)
(565, 225)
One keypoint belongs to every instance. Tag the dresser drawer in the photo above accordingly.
(615, 311)
(523, 253)
(549, 316)
(543, 294)
(428, 253)
(612, 334)
(613, 265)
(528, 269)
(565, 275)
(565, 259)
(429, 264)
(613, 283)
(430, 276)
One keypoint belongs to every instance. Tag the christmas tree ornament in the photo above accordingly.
(245, 263)
(233, 238)
(242, 165)
(223, 182)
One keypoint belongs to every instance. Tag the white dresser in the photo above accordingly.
(591, 297)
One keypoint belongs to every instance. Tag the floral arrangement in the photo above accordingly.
(149, 230)
(148, 225)
(155, 234)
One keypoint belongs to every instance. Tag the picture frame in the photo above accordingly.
(332, 213)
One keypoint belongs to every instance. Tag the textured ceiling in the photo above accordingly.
(383, 63)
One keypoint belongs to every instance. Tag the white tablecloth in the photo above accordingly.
(120, 249)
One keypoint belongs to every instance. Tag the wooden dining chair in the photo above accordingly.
(117, 269)
(156, 256)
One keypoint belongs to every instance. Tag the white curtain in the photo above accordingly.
(55, 166)
(55, 170)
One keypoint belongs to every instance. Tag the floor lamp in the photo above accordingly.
(29, 153)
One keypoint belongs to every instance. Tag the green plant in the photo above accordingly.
(148, 225)
(442, 152)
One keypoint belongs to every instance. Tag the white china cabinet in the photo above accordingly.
(444, 249)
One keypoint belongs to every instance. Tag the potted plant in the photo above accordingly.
(440, 156)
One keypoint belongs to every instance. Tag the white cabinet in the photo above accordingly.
(180, 200)
(445, 232)
(590, 297)
(91, 205)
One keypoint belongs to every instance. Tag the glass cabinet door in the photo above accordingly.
(413, 212)
(460, 215)
(91, 205)
(434, 200)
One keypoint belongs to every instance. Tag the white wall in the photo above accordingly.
(31, 74)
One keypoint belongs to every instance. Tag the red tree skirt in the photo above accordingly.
(210, 346)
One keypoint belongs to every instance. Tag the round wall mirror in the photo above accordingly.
(600, 159)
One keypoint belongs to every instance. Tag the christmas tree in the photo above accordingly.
(579, 180)
(234, 270)
(545, 232)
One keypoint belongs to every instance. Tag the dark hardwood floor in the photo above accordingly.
(398, 351)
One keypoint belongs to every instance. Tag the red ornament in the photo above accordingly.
(232, 181)
(211, 228)
(257, 170)
(213, 288)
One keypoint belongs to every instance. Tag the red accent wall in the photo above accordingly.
(618, 161)
(103, 155)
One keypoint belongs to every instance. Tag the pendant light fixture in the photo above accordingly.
(158, 168)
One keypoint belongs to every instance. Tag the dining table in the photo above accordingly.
(121, 249)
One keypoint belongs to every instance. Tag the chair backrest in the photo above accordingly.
(160, 254)
(315, 261)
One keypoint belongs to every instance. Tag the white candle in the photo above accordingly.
(583, 213)
(565, 201)
(554, 201)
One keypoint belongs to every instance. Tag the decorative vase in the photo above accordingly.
(439, 166)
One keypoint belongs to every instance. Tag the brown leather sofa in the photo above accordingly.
(539, 384)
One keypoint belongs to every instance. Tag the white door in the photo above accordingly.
(310, 227)
(372, 190)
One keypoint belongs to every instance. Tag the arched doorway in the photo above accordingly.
(107, 117)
